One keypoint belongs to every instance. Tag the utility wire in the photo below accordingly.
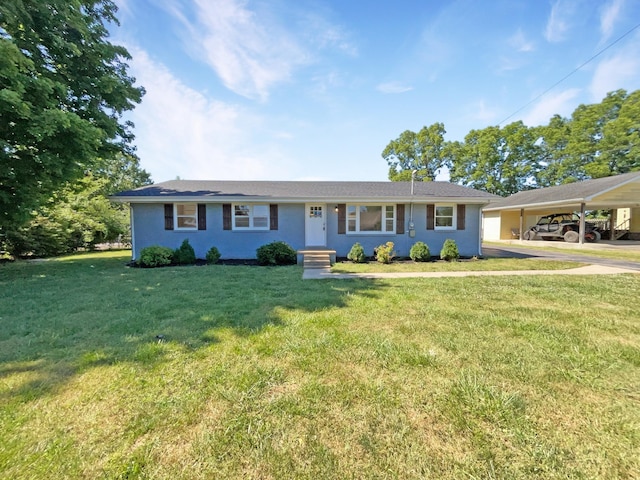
(569, 74)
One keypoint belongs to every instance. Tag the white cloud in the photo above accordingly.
(620, 71)
(181, 132)
(560, 20)
(519, 42)
(254, 47)
(610, 14)
(393, 87)
(480, 111)
(249, 52)
(562, 103)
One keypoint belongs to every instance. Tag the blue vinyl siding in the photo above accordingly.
(148, 221)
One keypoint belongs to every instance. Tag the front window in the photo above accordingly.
(371, 218)
(186, 216)
(445, 217)
(251, 217)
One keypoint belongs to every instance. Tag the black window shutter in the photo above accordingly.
(202, 216)
(226, 216)
(342, 218)
(400, 219)
(273, 216)
(431, 211)
(168, 216)
(461, 217)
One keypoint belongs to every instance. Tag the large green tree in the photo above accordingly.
(64, 89)
(497, 160)
(599, 140)
(422, 151)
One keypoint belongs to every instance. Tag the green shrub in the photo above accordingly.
(356, 254)
(384, 253)
(184, 254)
(276, 253)
(213, 255)
(420, 252)
(155, 256)
(449, 251)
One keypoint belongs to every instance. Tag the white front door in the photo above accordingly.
(315, 225)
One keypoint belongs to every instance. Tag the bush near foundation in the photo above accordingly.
(356, 254)
(449, 251)
(420, 252)
(155, 256)
(276, 253)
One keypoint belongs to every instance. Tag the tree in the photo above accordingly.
(63, 91)
(79, 215)
(497, 160)
(598, 140)
(422, 151)
(556, 165)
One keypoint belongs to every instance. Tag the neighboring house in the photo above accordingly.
(237, 217)
(619, 195)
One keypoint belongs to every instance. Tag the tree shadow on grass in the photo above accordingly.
(62, 318)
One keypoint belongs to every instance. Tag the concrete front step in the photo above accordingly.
(317, 261)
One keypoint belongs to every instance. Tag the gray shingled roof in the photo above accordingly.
(302, 191)
(570, 193)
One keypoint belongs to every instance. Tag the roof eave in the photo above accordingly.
(554, 203)
(254, 199)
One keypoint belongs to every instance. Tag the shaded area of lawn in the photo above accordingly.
(65, 315)
(262, 375)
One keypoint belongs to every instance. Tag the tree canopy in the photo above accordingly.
(421, 151)
(63, 91)
(598, 140)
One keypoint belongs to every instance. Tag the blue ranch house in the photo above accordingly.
(237, 217)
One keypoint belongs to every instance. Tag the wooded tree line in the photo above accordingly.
(64, 142)
(598, 140)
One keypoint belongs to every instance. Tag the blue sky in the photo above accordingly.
(315, 89)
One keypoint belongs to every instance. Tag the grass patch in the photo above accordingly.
(260, 375)
(489, 264)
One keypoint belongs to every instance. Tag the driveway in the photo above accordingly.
(513, 251)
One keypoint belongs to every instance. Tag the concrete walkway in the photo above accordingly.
(597, 266)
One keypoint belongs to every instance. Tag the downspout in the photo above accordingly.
(133, 235)
(480, 231)
(412, 229)
(582, 223)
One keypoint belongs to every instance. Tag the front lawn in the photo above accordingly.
(249, 372)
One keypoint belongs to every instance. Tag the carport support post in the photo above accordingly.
(613, 220)
(520, 229)
(582, 223)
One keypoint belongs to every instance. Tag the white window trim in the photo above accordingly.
(454, 215)
(383, 220)
(251, 217)
(175, 217)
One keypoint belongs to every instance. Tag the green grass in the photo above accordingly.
(262, 375)
(496, 264)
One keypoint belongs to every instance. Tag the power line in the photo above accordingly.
(570, 73)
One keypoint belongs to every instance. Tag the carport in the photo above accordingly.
(508, 218)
